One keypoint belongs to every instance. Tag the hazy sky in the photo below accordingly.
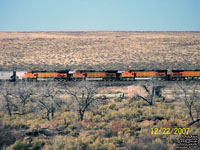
(128, 15)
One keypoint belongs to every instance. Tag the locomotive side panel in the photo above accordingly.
(101, 75)
(185, 75)
(95, 74)
(191, 73)
(127, 75)
(51, 76)
(77, 76)
(30, 76)
(148, 75)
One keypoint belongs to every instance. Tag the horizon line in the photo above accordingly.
(105, 31)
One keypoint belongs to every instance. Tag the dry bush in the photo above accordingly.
(191, 97)
(146, 91)
(8, 102)
(23, 91)
(48, 99)
(83, 96)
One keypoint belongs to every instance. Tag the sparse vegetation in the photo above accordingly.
(150, 89)
(116, 124)
(99, 50)
(191, 99)
(83, 94)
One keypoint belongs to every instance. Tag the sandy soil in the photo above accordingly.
(99, 50)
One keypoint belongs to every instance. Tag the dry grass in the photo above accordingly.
(120, 123)
(99, 50)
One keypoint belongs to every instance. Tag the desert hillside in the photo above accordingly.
(99, 50)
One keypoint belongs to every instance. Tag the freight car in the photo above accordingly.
(7, 75)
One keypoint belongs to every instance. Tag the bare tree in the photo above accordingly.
(48, 100)
(83, 94)
(152, 89)
(191, 99)
(23, 92)
(7, 95)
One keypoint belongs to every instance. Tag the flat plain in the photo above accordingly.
(99, 50)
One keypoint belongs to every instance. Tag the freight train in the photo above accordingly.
(103, 75)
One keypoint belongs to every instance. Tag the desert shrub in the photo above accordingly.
(133, 99)
(146, 142)
(112, 106)
(38, 145)
(6, 138)
(72, 143)
(104, 100)
(103, 144)
(97, 118)
(157, 118)
(33, 132)
(158, 143)
(113, 129)
(119, 143)
(19, 145)
(118, 99)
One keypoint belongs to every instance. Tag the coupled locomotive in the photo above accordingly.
(102, 75)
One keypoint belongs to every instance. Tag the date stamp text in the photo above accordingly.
(170, 131)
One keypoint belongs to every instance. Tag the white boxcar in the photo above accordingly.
(6, 75)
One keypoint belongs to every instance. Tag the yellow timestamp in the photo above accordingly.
(169, 131)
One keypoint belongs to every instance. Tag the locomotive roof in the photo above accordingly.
(149, 70)
(43, 71)
(96, 71)
(185, 70)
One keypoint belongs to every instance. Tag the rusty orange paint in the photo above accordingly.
(44, 75)
(29, 71)
(191, 74)
(96, 74)
(30, 75)
(128, 74)
(145, 74)
(78, 75)
(61, 74)
(51, 75)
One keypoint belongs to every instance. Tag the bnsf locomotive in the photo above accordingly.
(103, 75)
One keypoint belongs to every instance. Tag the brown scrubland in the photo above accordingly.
(99, 50)
(49, 116)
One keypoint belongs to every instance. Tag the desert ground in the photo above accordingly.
(113, 123)
(99, 50)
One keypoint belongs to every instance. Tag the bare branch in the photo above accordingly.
(84, 95)
(48, 93)
(191, 101)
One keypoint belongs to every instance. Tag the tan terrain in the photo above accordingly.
(99, 50)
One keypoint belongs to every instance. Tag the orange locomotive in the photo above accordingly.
(108, 75)
(185, 75)
(143, 74)
(46, 75)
